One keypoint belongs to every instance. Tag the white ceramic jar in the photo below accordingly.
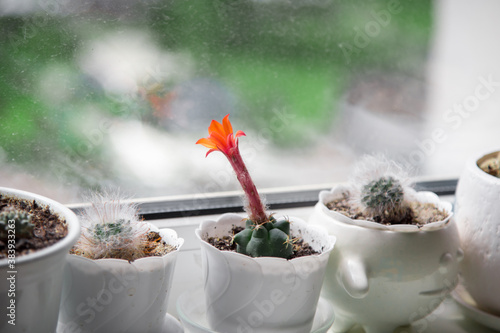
(266, 294)
(478, 219)
(382, 277)
(37, 283)
(114, 295)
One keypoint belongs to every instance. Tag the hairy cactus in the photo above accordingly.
(22, 223)
(270, 239)
(383, 195)
(380, 191)
(105, 231)
(111, 228)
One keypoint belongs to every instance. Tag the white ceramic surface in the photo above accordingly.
(38, 277)
(113, 295)
(265, 295)
(170, 325)
(192, 311)
(471, 310)
(478, 220)
(382, 277)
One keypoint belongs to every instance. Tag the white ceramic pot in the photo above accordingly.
(478, 219)
(382, 277)
(37, 276)
(266, 294)
(113, 295)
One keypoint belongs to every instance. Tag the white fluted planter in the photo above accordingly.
(38, 276)
(478, 220)
(113, 295)
(264, 295)
(382, 277)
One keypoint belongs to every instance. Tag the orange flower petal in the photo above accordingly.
(216, 127)
(221, 137)
(207, 143)
(228, 128)
(210, 151)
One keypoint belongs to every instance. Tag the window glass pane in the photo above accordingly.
(116, 93)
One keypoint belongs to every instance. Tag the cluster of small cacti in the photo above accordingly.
(111, 229)
(270, 239)
(22, 223)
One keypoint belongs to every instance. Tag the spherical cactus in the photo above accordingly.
(383, 194)
(270, 239)
(17, 220)
(380, 191)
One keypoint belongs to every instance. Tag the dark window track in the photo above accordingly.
(233, 203)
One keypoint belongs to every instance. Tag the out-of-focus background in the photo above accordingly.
(115, 93)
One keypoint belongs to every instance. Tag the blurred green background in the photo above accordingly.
(296, 56)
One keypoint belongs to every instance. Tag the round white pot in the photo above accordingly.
(266, 294)
(382, 277)
(478, 219)
(37, 277)
(113, 295)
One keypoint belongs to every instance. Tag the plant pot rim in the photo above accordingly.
(163, 232)
(230, 216)
(473, 164)
(421, 196)
(63, 244)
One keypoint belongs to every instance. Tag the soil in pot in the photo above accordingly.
(418, 213)
(300, 248)
(490, 164)
(151, 246)
(44, 228)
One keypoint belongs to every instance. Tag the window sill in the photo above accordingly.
(184, 214)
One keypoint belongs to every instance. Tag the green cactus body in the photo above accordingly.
(116, 240)
(384, 198)
(121, 228)
(271, 239)
(22, 223)
(382, 194)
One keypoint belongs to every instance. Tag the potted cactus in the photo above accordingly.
(119, 273)
(35, 236)
(263, 273)
(398, 255)
(478, 220)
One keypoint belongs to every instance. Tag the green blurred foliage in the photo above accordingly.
(273, 55)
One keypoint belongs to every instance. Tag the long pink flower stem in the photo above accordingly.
(256, 208)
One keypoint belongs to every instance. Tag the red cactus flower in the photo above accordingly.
(221, 138)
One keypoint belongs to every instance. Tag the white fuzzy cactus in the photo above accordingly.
(111, 228)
